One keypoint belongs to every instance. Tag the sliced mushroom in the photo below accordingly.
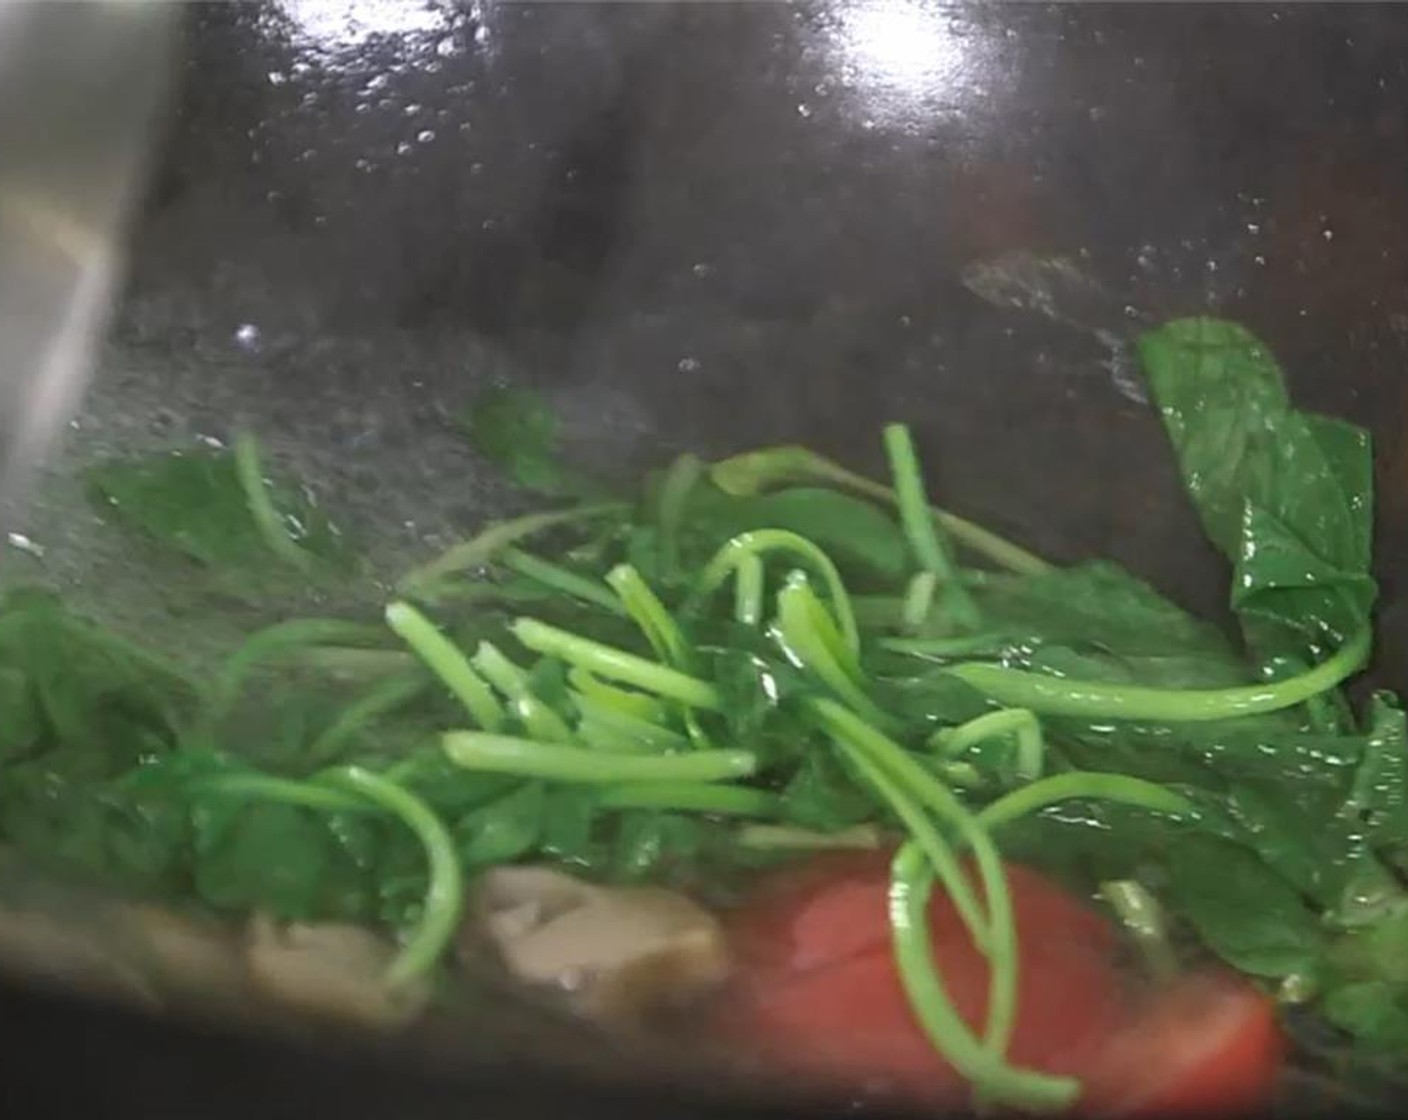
(196, 960)
(332, 971)
(48, 949)
(620, 953)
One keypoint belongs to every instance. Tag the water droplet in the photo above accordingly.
(248, 337)
(403, 148)
(412, 109)
(425, 135)
(475, 168)
(1259, 259)
(445, 48)
(804, 110)
(1253, 227)
(481, 35)
(24, 544)
(276, 77)
(1328, 235)
(702, 270)
(689, 365)
(905, 320)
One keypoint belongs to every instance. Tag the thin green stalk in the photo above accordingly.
(1018, 722)
(1096, 786)
(512, 682)
(761, 541)
(918, 601)
(748, 591)
(559, 579)
(611, 729)
(447, 662)
(997, 937)
(626, 701)
(912, 880)
(273, 529)
(649, 613)
(444, 896)
(290, 791)
(1060, 696)
(679, 482)
(386, 696)
(755, 471)
(911, 814)
(505, 754)
(615, 664)
(946, 648)
(479, 550)
(807, 634)
(1139, 912)
(692, 797)
(279, 638)
(348, 663)
(782, 837)
(919, 525)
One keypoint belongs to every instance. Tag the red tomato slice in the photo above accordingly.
(816, 995)
(1212, 1045)
(818, 992)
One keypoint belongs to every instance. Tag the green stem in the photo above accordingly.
(754, 471)
(446, 662)
(919, 525)
(649, 613)
(918, 601)
(782, 837)
(808, 635)
(505, 754)
(912, 880)
(679, 482)
(1019, 722)
(1120, 788)
(692, 797)
(844, 729)
(760, 541)
(479, 550)
(559, 578)
(287, 790)
(636, 704)
(1059, 696)
(444, 895)
(279, 638)
(512, 682)
(273, 529)
(748, 591)
(1139, 912)
(946, 648)
(385, 697)
(615, 664)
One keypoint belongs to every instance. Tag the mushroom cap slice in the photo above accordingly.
(619, 952)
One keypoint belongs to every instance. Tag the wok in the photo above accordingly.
(711, 226)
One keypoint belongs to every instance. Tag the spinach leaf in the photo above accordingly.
(1101, 605)
(514, 428)
(858, 535)
(1378, 797)
(1375, 1012)
(1285, 495)
(1243, 910)
(503, 830)
(266, 855)
(196, 503)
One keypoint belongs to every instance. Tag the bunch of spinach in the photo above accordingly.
(752, 658)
